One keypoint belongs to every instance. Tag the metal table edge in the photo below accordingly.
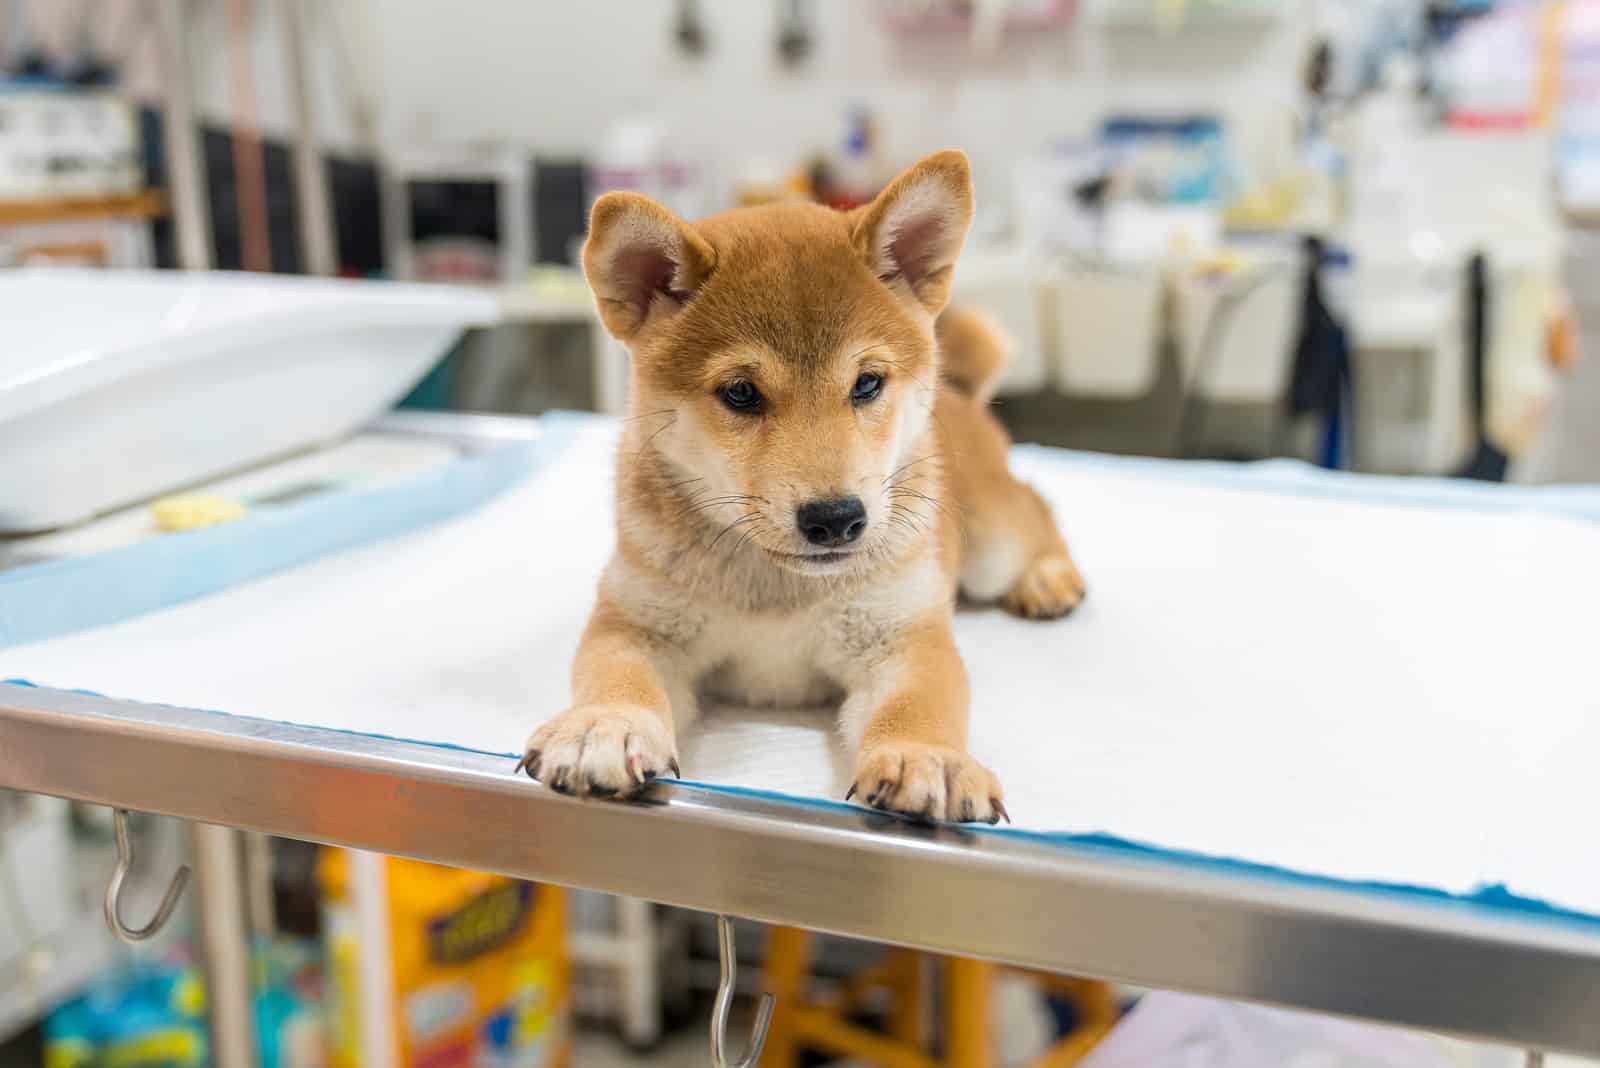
(1437, 966)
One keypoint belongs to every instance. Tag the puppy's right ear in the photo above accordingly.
(642, 261)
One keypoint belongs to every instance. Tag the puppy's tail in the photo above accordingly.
(973, 350)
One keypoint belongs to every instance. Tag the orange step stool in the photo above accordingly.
(800, 1021)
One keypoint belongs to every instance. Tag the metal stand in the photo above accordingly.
(216, 849)
(226, 945)
(637, 967)
(369, 892)
(260, 909)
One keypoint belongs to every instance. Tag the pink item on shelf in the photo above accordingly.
(899, 16)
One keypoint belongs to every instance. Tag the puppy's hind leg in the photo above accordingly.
(1049, 584)
(1015, 555)
(1011, 550)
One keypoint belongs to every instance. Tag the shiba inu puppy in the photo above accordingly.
(808, 477)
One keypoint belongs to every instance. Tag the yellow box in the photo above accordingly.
(477, 965)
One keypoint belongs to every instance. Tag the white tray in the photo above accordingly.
(119, 386)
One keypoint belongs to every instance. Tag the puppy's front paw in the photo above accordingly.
(601, 751)
(1048, 588)
(929, 782)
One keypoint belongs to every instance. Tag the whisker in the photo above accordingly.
(695, 507)
(899, 489)
(731, 497)
(909, 465)
(749, 533)
(649, 441)
(747, 517)
(906, 516)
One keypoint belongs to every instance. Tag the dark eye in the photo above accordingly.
(867, 388)
(741, 396)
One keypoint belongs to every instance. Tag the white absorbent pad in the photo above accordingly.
(1354, 678)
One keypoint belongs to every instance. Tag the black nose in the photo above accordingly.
(836, 522)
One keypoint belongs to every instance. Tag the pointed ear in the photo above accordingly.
(642, 261)
(911, 234)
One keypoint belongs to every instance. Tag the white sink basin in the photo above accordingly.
(117, 386)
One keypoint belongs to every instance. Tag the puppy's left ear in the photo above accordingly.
(911, 234)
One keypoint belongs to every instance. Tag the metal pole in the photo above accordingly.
(262, 912)
(185, 176)
(310, 180)
(369, 893)
(638, 966)
(225, 944)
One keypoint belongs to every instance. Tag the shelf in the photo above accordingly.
(523, 304)
(150, 204)
(1187, 16)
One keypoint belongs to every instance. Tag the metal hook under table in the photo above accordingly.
(719, 1013)
(114, 888)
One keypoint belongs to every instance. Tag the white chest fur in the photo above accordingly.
(808, 655)
(767, 660)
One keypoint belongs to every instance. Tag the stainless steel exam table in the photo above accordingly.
(1520, 980)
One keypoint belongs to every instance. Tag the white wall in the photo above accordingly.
(550, 75)
(553, 75)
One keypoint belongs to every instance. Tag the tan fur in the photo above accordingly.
(713, 590)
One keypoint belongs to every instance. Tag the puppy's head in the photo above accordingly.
(784, 358)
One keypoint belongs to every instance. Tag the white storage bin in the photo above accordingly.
(1006, 285)
(1107, 327)
(1242, 353)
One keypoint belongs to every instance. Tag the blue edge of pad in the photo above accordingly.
(50, 599)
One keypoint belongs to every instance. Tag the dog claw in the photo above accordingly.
(677, 772)
(1000, 809)
(848, 794)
